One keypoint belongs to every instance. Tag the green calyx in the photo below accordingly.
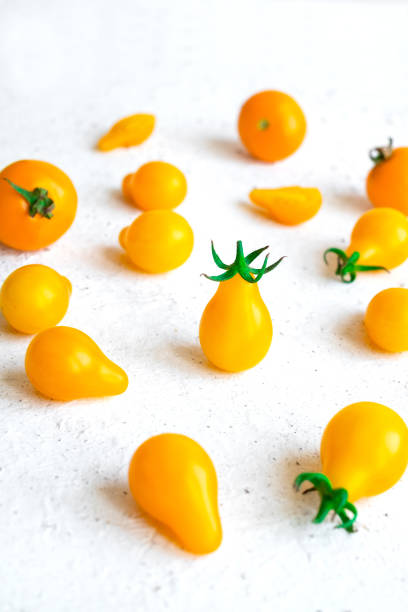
(241, 265)
(331, 499)
(380, 154)
(38, 201)
(347, 267)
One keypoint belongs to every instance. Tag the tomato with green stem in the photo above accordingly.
(387, 181)
(236, 327)
(364, 452)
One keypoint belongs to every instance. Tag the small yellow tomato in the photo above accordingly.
(128, 132)
(64, 364)
(288, 205)
(156, 185)
(379, 241)
(386, 319)
(236, 327)
(364, 452)
(387, 181)
(158, 241)
(173, 480)
(34, 297)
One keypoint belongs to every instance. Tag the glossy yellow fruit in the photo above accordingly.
(158, 241)
(387, 181)
(236, 327)
(128, 132)
(386, 319)
(156, 185)
(288, 205)
(173, 480)
(34, 297)
(64, 364)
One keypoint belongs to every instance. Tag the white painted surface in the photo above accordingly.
(71, 536)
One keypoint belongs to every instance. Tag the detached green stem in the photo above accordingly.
(347, 267)
(241, 265)
(330, 499)
(38, 201)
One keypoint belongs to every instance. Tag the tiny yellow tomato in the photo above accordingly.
(386, 319)
(156, 185)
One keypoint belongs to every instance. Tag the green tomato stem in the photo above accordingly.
(380, 154)
(38, 201)
(347, 267)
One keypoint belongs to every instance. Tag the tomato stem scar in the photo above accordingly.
(38, 200)
(263, 124)
(330, 499)
(241, 265)
(347, 267)
(380, 154)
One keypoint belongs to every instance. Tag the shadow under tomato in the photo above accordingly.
(118, 257)
(19, 385)
(191, 354)
(353, 331)
(229, 148)
(256, 211)
(353, 201)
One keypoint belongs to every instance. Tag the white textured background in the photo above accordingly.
(71, 536)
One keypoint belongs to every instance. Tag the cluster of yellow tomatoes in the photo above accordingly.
(364, 448)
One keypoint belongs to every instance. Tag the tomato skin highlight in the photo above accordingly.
(386, 319)
(172, 479)
(64, 363)
(271, 125)
(387, 182)
(158, 241)
(17, 228)
(156, 185)
(34, 297)
(236, 327)
(364, 449)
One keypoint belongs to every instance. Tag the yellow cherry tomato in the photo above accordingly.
(386, 319)
(364, 452)
(236, 327)
(288, 205)
(64, 364)
(387, 181)
(379, 241)
(156, 185)
(34, 298)
(128, 132)
(173, 480)
(158, 241)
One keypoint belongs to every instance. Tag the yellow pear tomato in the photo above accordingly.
(158, 241)
(34, 297)
(288, 205)
(364, 452)
(236, 327)
(173, 480)
(386, 319)
(379, 241)
(156, 185)
(64, 364)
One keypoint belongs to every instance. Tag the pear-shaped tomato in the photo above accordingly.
(173, 480)
(236, 327)
(64, 364)
(364, 452)
(379, 241)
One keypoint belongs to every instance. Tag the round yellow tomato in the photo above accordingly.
(173, 480)
(386, 319)
(158, 241)
(379, 241)
(34, 298)
(38, 204)
(236, 327)
(271, 125)
(64, 364)
(156, 185)
(387, 181)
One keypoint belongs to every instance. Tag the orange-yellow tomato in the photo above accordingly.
(39, 208)
(387, 181)
(173, 480)
(271, 125)
(158, 241)
(128, 132)
(386, 319)
(34, 298)
(155, 185)
(288, 205)
(65, 364)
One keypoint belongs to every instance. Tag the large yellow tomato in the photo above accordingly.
(173, 480)
(158, 241)
(38, 204)
(386, 319)
(34, 297)
(236, 327)
(64, 364)
(379, 241)
(364, 452)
